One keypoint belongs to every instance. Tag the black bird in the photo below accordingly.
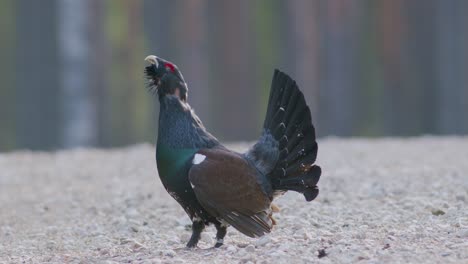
(218, 186)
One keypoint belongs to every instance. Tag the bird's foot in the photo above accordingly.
(191, 244)
(219, 243)
(197, 228)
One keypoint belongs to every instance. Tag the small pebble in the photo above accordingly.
(250, 248)
(170, 253)
(231, 249)
(437, 212)
(104, 251)
(137, 246)
(262, 241)
(132, 213)
(242, 245)
(207, 238)
(463, 233)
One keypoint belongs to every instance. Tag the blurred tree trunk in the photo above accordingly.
(7, 91)
(38, 74)
(270, 33)
(160, 28)
(127, 105)
(78, 110)
(452, 92)
(465, 58)
(234, 85)
(134, 60)
(417, 101)
(337, 86)
(391, 28)
(369, 88)
(303, 16)
(193, 59)
(129, 40)
(159, 31)
(98, 60)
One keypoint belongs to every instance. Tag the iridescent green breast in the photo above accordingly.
(171, 161)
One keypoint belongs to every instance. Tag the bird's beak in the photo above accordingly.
(152, 60)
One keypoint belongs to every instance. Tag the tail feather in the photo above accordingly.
(287, 93)
(296, 104)
(296, 167)
(283, 142)
(307, 178)
(289, 121)
(301, 151)
(311, 193)
(279, 130)
(274, 94)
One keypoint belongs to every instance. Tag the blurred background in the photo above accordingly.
(71, 71)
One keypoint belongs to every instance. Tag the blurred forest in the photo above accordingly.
(72, 70)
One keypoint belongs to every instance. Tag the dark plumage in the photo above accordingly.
(217, 186)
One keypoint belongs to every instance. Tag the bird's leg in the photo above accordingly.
(220, 234)
(197, 228)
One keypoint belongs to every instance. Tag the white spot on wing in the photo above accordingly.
(191, 184)
(198, 158)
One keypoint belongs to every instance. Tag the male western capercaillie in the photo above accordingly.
(218, 186)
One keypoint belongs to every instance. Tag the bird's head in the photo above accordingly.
(165, 78)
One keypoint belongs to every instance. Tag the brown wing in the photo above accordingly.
(228, 187)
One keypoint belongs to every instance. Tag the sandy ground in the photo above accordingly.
(381, 201)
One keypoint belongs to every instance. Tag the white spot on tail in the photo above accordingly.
(198, 158)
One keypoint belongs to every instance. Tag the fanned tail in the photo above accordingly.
(288, 121)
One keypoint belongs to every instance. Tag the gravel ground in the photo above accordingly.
(381, 201)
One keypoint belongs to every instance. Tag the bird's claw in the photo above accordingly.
(218, 245)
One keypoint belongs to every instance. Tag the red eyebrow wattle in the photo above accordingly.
(170, 66)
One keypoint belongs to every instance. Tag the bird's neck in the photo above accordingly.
(180, 128)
